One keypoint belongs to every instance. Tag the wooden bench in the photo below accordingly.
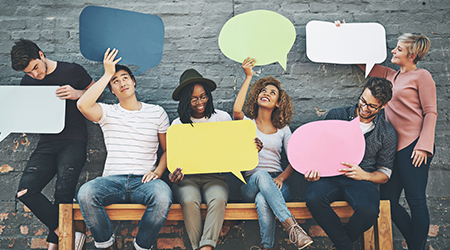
(379, 237)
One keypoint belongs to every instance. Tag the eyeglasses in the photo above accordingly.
(371, 107)
(203, 99)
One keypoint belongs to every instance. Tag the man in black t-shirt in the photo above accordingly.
(62, 154)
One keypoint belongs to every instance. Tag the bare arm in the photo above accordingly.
(247, 65)
(87, 103)
(158, 172)
(68, 92)
(283, 176)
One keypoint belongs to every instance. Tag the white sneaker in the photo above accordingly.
(80, 238)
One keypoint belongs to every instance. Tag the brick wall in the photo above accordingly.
(192, 28)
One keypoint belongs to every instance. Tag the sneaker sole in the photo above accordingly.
(307, 245)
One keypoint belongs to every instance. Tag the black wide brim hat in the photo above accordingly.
(192, 76)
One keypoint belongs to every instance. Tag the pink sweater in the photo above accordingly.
(412, 110)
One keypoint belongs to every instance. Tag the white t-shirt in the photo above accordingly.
(219, 116)
(131, 138)
(366, 127)
(270, 155)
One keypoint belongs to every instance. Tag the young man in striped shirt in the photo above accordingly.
(133, 131)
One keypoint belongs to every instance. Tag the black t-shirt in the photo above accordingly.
(66, 74)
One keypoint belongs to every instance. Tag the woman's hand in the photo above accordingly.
(259, 144)
(312, 175)
(108, 61)
(177, 175)
(248, 65)
(278, 181)
(419, 157)
(338, 23)
(149, 177)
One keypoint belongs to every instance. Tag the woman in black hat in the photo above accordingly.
(195, 106)
(270, 107)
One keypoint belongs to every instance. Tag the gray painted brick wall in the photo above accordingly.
(192, 28)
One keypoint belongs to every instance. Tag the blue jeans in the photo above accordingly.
(103, 191)
(63, 158)
(363, 197)
(270, 202)
(414, 181)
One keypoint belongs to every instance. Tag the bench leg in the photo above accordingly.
(66, 227)
(384, 227)
(368, 242)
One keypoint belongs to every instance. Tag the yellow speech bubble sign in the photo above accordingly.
(261, 34)
(212, 147)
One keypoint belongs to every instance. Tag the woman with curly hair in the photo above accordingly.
(270, 107)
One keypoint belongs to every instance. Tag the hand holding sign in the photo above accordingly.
(139, 37)
(30, 109)
(212, 147)
(324, 145)
(351, 43)
(262, 34)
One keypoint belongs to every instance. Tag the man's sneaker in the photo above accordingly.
(80, 238)
(297, 235)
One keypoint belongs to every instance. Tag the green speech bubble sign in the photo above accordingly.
(261, 34)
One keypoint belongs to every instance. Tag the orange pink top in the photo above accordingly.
(412, 110)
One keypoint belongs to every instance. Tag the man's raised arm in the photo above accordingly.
(87, 103)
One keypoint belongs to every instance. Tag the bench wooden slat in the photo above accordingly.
(234, 211)
(379, 237)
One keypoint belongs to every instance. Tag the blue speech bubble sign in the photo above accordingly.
(139, 37)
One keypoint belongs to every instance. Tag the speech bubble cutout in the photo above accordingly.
(139, 37)
(324, 145)
(212, 147)
(261, 34)
(30, 109)
(352, 43)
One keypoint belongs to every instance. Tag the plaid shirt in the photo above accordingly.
(381, 142)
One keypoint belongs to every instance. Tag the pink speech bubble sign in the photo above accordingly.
(324, 145)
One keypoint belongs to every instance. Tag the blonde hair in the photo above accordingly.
(417, 44)
(282, 115)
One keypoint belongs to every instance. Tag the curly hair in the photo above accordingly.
(282, 115)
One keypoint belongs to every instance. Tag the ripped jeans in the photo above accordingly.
(63, 158)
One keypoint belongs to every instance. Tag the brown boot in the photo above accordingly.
(297, 235)
(263, 248)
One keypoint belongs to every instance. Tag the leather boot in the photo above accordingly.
(297, 235)
(263, 248)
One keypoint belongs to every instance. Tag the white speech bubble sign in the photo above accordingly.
(352, 43)
(30, 109)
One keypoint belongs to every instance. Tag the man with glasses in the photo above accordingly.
(358, 184)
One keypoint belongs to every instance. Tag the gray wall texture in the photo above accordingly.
(192, 28)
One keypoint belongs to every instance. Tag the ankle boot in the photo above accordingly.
(297, 235)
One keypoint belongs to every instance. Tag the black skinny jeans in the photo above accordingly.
(63, 158)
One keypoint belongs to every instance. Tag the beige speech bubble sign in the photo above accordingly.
(261, 34)
(30, 109)
(352, 43)
(212, 147)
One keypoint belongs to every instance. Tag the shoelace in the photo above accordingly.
(255, 247)
(293, 236)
